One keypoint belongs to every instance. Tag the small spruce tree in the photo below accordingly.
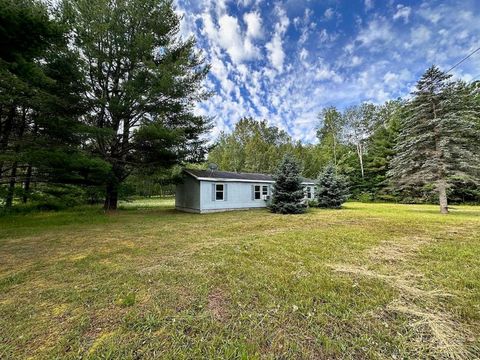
(332, 189)
(288, 195)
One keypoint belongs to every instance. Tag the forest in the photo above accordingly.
(397, 151)
(98, 104)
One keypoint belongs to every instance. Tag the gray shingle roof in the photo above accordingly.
(209, 174)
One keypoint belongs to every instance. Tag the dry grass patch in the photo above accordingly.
(433, 330)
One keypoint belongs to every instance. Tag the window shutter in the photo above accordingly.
(253, 192)
(225, 187)
(213, 192)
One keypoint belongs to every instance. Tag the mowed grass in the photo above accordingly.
(367, 281)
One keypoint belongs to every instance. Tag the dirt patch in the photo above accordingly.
(217, 305)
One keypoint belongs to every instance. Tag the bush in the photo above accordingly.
(312, 203)
(364, 197)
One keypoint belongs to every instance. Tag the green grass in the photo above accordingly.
(368, 281)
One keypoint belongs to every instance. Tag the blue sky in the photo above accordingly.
(285, 60)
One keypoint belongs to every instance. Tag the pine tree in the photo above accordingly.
(288, 194)
(332, 189)
(438, 141)
(381, 146)
(144, 81)
(40, 103)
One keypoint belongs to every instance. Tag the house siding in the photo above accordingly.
(238, 196)
(198, 195)
(187, 195)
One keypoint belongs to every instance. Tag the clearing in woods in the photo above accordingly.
(368, 281)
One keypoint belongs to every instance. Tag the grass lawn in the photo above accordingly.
(368, 281)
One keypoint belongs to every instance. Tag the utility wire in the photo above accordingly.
(475, 77)
(465, 58)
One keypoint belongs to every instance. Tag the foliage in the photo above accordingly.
(253, 146)
(40, 104)
(143, 81)
(288, 194)
(330, 131)
(332, 190)
(438, 141)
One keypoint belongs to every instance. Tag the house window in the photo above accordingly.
(309, 192)
(219, 191)
(265, 190)
(257, 193)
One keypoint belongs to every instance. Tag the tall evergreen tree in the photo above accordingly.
(381, 146)
(40, 102)
(143, 81)
(438, 141)
(288, 193)
(332, 190)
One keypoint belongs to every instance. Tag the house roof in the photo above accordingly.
(215, 175)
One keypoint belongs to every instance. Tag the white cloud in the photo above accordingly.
(369, 4)
(303, 54)
(324, 73)
(433, 15)
(229, 37)
(355, 61)
(329, 13)
(403, 12)
(282, 25)
(419, 35)
(254, 25)
(276, 54)
(377, 30)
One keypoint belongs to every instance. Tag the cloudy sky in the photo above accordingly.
(284, 60)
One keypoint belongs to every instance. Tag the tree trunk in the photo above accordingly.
(11, 186)
(441, 183)
(111, 196)
(5, 134)
(26, 184)
(442, 195)
(360, 158)
(335, 153)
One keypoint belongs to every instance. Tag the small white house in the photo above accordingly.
(203, 191)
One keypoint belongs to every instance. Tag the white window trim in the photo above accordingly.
(255, 192)
(306, 189)
(223, 192)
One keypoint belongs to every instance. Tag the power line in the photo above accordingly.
(475, 77)
(465, 58)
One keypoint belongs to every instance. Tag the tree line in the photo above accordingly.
(92, 92)
(96, 98)
(422, 149)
